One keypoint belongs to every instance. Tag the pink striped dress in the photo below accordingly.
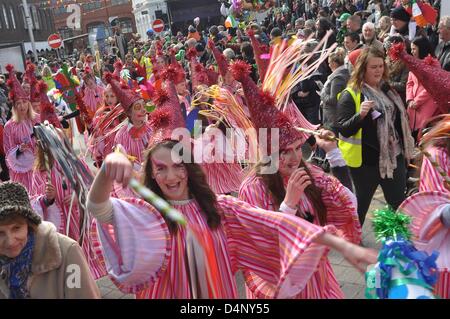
(133, 147)
(341, 213)
(426, 208)
(20, 167)
(91, 244)
(99, 150)
(274, 251)
(93, 98)
(218, 161)
(430, 179)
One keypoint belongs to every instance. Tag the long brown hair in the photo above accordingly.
(39, 162)
(438, 134)
(275, 185)
(198, 187)
(357, 78)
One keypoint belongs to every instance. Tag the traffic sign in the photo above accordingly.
(54, 41)
(158, 25)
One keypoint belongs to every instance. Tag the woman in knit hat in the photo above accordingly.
(18, 144)
(35, 261)
(277, 253)
(403, 24)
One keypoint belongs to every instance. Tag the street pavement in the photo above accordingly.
(351, 281)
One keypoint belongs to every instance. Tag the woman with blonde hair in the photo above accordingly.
(384, 27)
(375, 138)
(47, 76)
(18, 144)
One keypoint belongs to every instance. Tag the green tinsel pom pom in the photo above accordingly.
(390, 224)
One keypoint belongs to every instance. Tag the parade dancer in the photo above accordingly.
(430, 212)
(277, 253)
(430, 208)
(107, 121)
(55, 200)
(18, 144)
(30, 82)
(93, 94)
(295, 187)
(133, 136)
(435, 145)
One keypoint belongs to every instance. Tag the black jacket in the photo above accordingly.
(312, 100)
(349, 122)
(443, 55)
(335, 84)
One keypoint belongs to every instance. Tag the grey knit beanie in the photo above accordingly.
(14, 200)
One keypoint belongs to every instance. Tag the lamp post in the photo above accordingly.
(30, 28)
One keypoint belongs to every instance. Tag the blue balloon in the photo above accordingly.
(150, 31)
(398, 292)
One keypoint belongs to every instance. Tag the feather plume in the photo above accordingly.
(396, 50)
(240, 70)
(108, 77)
(159, 118)
(42, 87)
(10, 68)
(161, 96)
(191, 54)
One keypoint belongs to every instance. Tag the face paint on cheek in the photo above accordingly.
(182, 172)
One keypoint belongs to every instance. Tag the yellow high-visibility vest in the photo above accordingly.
(351, 147)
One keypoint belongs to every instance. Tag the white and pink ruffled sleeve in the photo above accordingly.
(135, 243)
(50, 213)
(17, 163)
(275, 251)
(341, 208)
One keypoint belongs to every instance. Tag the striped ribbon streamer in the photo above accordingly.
(308, 131)
(160, 204)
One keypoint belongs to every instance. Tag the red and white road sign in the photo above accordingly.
(158, 25)
(54, 41)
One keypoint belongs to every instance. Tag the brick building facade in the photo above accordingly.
(94, 15)
(13, 27)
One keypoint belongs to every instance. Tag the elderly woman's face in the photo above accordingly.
(13, 237)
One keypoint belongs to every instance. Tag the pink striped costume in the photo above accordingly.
(134, 147)
(430, 179)
(275, 251)
(341, 213)
(426, 208)
(20, 166)
(218, 161)
(99, 150)
(93, 98)
(58, 214)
